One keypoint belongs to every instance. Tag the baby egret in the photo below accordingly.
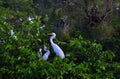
(46, 55)
(55, 47)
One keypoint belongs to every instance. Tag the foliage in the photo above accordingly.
(84, 59)
(102, 32)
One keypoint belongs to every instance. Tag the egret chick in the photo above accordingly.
(55, 47)
(46, 55)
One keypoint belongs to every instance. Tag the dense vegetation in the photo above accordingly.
(88, 32)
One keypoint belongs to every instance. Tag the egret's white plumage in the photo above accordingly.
(12, 34)
(55, 47)
(46, 55)
(40, 50)
(117, 8)
(30, 19)
(42, 27)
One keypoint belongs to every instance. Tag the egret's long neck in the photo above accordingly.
(51, 39)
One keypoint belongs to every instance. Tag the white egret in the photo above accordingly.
(117, 8)
(12, 34)
(30, 19)
(46, 55)
(42, 27)
(55, 47)
(40, 49)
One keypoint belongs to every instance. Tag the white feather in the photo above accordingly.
(12, 34)
(55, 47)
(42, 27)
(46, 55)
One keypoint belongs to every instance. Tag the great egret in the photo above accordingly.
(46, 55)
(55, 47)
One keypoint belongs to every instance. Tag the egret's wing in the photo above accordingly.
(58, 50)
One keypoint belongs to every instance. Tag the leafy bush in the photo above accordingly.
(84, 59)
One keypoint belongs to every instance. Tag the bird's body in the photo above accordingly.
(55, 47)
(45, 56)
(30, 19)
(12, 34)
(42, 27)
(47, 53)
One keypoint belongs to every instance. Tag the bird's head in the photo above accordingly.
(52, 34)
(46, 48)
